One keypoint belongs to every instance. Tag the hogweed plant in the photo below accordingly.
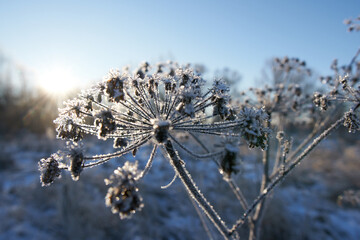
(148, 107)
(157, 105)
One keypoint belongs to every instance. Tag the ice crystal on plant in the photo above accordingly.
(352, 122)
(251, 127)
(123, 196)
(104, 120)
(229, 161)
(321, 101)
(49, 169)
(76, 163)
(221, 98)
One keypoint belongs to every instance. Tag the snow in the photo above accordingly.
(77, 210)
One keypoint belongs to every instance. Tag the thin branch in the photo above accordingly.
(202, 219)
(148, 164)
(208, 155)
(106, 157)
(193, 190)
(278, 179)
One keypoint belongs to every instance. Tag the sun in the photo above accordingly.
(58, 79)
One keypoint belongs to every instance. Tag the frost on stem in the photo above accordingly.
(251, 127)
(49, 169)
(123, 196)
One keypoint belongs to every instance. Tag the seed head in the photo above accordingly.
(161, 129)
(49, 169)
(229, 161)
(76, 163)
(251, 127)
(123, 196)
(352, 122)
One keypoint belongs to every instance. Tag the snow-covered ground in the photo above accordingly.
(303, 207)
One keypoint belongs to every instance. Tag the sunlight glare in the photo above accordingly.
(57, 80)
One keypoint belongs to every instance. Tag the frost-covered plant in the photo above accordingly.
(49, 169)
(123, 196)
(152, 105)
(160, 104)
(349, 198)
(353, 24)
(157, 105)
(285, 95)
(251, 127)
(287, 100)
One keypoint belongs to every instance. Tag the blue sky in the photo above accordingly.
(90, 37)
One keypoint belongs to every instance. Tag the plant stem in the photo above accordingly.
(256, 220)
(234, 187)
(306, 141)
(279, 178)
(239, 195)
(193, 191)
(202, 218)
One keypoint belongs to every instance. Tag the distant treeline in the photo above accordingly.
(23, 106)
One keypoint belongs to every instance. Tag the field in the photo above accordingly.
(305, 206)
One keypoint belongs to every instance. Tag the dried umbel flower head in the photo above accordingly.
(349, 198)
(105, 122)
(352, 121)
(321, 101)
(286, 65)
(68, 129)
(252, 128)
(229, 163)
(49, 169)
(153, 107)
(221, 98)
(353, 24)
(284, 99)
(76, 163)
(134, 108)
(123, 196)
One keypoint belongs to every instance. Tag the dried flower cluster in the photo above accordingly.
(123, 196)
(349, 198)
(229, 161)
(152, 105)
(353, 24)
(164, 104)
(352, 121)
(285, 96)
(342, 88)
(49, 169)
(251, 127)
